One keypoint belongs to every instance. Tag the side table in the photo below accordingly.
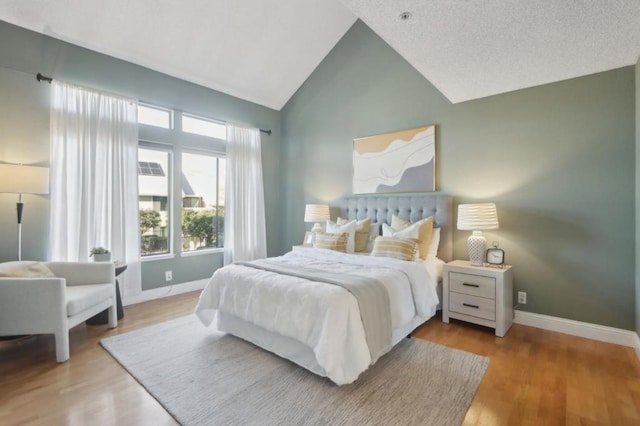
(478, 294)
(103, 317)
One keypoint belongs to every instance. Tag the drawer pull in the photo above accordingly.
(471, 306)
(471, 285)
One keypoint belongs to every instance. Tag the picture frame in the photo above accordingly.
(308, 239)
(401, 161)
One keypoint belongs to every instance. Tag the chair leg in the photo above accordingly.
(62, 345)
(113, 316)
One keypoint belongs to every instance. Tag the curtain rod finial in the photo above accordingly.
(41, 77)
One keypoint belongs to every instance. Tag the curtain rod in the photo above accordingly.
(41, 77)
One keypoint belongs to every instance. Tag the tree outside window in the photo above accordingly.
(202, 201)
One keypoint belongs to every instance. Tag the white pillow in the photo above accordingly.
(412, 231)
(349, 228)
(435, 242)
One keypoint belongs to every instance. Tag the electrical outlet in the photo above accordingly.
(168, 276)
(522, 297)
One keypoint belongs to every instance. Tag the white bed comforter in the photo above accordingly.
(322, 316)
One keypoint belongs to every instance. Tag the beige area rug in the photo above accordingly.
(204, 377)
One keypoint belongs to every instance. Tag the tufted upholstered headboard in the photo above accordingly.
(410, 207)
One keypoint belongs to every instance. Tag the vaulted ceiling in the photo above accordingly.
(263, 50)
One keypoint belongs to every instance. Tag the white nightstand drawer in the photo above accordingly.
(472, 305)
(474, 285)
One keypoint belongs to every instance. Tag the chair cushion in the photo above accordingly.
(25, 269)
(82, 297)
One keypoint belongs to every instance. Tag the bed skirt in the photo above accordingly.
(289, 348)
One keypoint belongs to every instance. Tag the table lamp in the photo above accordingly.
(316, 213)
(477, 218)
(20, 179)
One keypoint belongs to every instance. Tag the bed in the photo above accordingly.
(320, 326)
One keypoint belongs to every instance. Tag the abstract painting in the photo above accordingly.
(401, 161)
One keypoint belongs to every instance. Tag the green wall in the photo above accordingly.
(638, 197)
(24, 120)
(558, 160)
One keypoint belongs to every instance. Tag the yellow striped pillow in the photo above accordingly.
(425, 231)
(396, 248)
(337, 242)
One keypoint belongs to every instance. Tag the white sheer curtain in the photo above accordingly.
(244, 223)
(94, 178)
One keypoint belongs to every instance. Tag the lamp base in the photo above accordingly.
(477, 247)
(317, 227)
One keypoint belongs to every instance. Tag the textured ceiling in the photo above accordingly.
(470, 49)
(263, 50)
(258, 50)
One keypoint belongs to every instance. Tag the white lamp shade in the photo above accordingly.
(316, 213)
(477, 217)
(19, 179)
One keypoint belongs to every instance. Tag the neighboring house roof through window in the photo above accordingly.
(146, 168)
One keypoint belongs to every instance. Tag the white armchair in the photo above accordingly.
(53, 305)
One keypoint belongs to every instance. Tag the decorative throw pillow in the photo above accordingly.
(362, 233)
(425, 231)
(411, 232)
(398, 223)
(375, 230)
(349, 228)
(33, 270)
(435, 242)
(337, 242)
(361, 225)
(396, 248)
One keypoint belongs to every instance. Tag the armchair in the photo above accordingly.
(53, 305)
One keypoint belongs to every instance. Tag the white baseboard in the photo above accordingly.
(159, 293)
(602, 333)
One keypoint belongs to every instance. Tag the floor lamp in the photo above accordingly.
(20, 179)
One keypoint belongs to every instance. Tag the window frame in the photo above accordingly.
(168, 148)
(201, 118)
(212, 153)
(158, 108)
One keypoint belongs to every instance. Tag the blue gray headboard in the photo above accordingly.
(410, 207)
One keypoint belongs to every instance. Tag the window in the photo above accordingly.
(154, 195)
(154, 116)
(203, 126)
(203, 181)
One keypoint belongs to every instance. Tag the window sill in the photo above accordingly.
(201, 252)
(153, 257)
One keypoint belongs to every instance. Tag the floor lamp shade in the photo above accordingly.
(19, 179)
(477, 218)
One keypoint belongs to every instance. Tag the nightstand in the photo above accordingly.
(478, 294)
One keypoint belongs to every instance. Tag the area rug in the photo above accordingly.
(204, 377)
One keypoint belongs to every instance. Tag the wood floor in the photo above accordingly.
(535, 377)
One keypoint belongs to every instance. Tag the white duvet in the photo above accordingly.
(322, 316)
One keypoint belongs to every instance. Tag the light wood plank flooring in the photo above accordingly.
(535, 377)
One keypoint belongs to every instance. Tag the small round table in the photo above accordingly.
(103, 317)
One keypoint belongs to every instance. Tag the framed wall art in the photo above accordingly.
(401, 161)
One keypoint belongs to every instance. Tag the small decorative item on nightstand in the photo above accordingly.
(495, 256)
(478, 294)
(100, 254)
